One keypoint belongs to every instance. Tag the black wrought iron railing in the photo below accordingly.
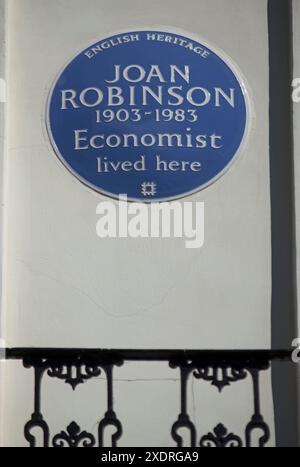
(77, 366)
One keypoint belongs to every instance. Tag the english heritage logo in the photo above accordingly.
(152, 114)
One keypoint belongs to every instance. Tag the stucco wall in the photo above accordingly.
(66, 287)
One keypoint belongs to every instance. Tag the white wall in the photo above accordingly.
(2, 151)
(66, 287)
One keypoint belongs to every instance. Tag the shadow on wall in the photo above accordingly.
(284, 302)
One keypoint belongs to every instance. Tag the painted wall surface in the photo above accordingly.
(66, 287)
(2, 151)
(3, 48)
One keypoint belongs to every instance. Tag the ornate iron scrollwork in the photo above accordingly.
(220, 368)
(220, 377)
(221, 372)
(74, 374)
(74, 371)
(37, 419)
(73, 437)
(220, 438)
(110, 418)
(257, 422)
(183, 421)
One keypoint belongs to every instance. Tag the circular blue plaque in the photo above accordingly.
(148, 114)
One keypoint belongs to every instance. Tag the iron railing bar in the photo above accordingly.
(208, 365)
(253, 355)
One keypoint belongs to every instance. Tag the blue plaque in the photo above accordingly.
(150, 114)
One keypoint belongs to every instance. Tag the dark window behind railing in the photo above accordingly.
(217, 368)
